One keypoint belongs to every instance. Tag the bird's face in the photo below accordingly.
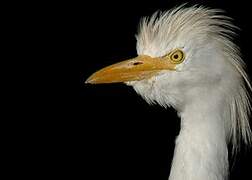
(168, 79)
(195, 73)
(141, 72)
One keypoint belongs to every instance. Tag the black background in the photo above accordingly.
(117, 135)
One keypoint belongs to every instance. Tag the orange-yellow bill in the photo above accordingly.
(139, 68)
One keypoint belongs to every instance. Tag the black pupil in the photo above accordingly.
(175, 56)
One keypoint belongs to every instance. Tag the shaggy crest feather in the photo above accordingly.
(202, 24)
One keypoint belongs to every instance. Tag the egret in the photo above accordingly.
(187, 59)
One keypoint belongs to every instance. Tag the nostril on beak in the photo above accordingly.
(137, 63)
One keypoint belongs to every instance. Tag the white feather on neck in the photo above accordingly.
(201, 147)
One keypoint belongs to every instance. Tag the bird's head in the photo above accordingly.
(185, 55)
(181, 54)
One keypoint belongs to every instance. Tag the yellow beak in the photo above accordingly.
(139, 68)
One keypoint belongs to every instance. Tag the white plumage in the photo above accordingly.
(208, 89)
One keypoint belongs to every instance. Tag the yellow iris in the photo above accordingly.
(177, 56)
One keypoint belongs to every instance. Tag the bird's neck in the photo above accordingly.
(201, 149)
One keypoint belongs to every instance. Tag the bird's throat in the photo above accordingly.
(201, 150)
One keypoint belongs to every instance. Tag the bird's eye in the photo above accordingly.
(177, 56)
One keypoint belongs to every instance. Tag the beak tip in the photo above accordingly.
(88, 81)
(92, 80)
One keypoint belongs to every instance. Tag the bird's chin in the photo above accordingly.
(149, 89)
(145, 88)
(146, 83)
